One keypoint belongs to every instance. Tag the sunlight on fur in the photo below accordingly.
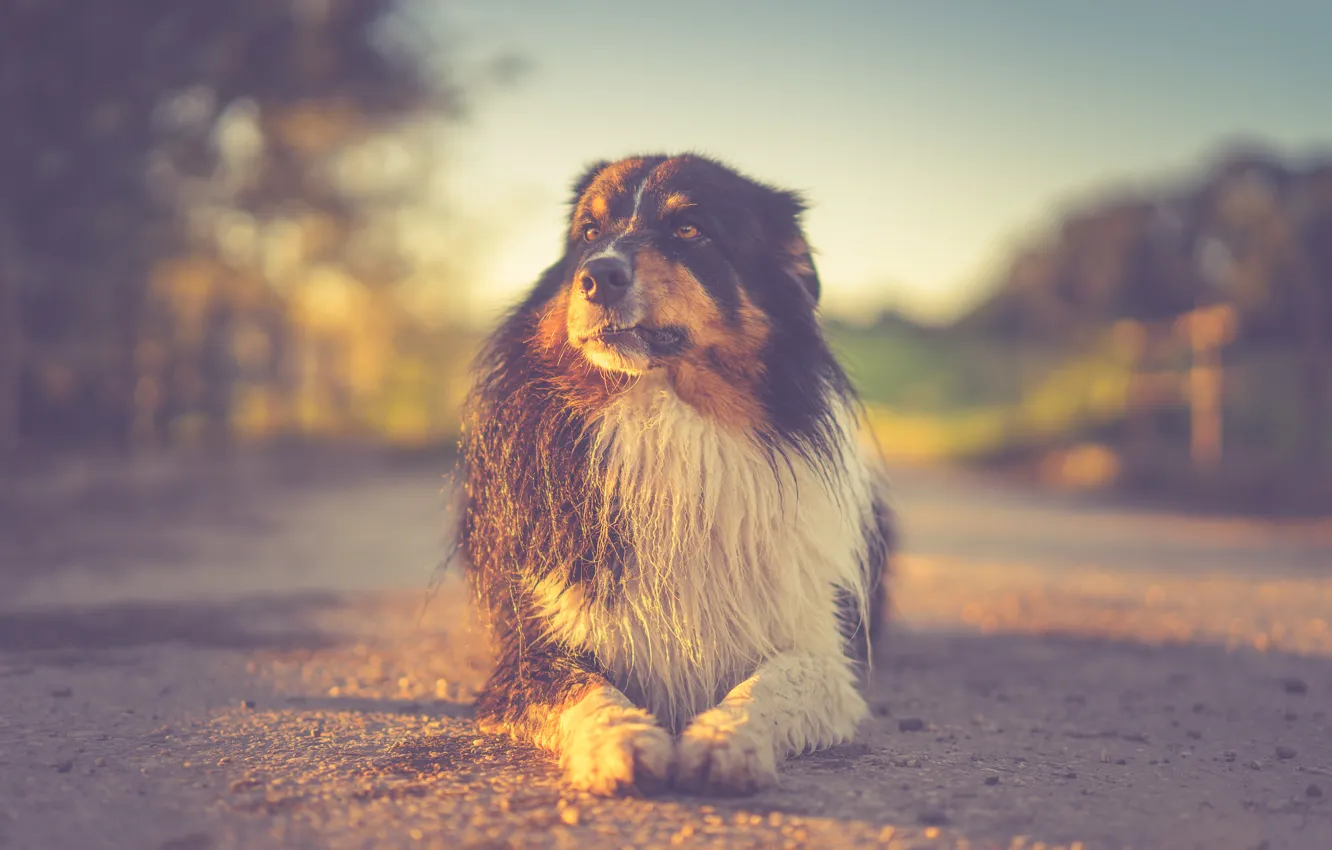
(697, 540)
(736, 555)
(606, 743)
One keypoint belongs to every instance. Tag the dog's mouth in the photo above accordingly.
(656, 341)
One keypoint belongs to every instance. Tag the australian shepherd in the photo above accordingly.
(671, 521)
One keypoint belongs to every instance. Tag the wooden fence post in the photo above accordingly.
(1207, 330)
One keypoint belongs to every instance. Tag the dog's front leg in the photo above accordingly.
(604, 743)
(793, 704)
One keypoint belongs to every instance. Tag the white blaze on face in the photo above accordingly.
(638, 199)
(612, 249)
(585, 319)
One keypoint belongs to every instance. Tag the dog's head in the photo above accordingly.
(677, 261)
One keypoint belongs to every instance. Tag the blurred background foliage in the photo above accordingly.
(1081, 365)
(214, 222)
(223, 223)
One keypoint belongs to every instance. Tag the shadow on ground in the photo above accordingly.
(281, 623)
(1060, 738)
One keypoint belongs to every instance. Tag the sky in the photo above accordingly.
(931, 138)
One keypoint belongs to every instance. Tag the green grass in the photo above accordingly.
(946, 395)
(921, 371)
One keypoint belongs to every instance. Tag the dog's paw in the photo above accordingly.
(618, 751)
(723, 753)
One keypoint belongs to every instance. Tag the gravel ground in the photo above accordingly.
(264, 667)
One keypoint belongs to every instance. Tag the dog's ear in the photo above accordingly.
(796, 258)
(582, 184)
(798, 261)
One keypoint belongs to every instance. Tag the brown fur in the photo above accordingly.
(719, 375)
(542, 721)
(675, 202)
(584, 388)
(728, 319)
(610, 181)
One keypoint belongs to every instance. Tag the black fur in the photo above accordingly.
(530, 510)
(882, 537)
(530, 507)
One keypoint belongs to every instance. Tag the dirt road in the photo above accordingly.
(257, 667)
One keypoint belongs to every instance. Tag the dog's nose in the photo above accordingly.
(605, 280)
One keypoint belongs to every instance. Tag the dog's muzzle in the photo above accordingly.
(605, 281)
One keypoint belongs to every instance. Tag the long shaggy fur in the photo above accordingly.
(728, 552)
(696, 544)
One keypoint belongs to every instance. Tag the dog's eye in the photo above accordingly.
(687, 232)
(591, 233)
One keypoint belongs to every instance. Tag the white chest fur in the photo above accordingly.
(736, 556)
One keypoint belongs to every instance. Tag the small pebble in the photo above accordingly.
(882, 711)
(1195, 734)
(1121, 761)
(1295, 686)
(1256, 765)
(991, 780)
(911, 724)
(1285, 753)
(1070, 775)
(64, 767)
(62, 693)
(1313, 791)
(99, 762)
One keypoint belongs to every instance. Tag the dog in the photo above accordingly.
(671, 523)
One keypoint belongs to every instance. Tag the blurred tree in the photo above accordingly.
(1253, 231)
(143, 130)
(1235, 234)
(1314, 221)
(1272, 223)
